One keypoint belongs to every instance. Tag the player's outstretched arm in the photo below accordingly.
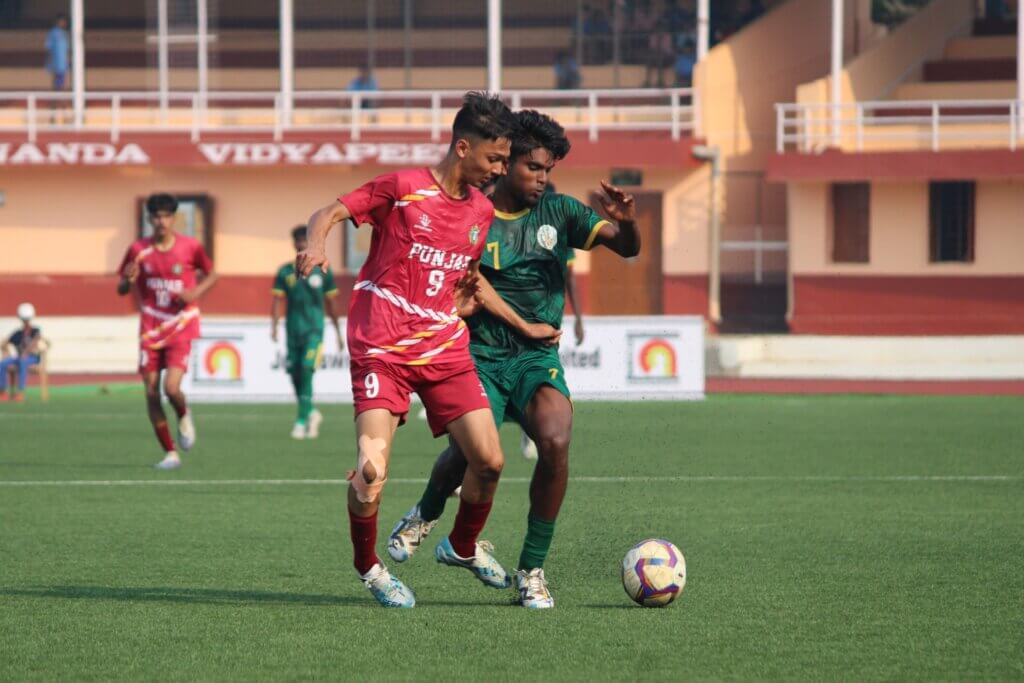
(499, 308)
(320, 224)
(622, 236)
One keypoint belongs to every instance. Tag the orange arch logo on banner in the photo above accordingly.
(222, 360)
(653, 357)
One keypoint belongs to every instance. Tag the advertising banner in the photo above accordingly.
(621, 358)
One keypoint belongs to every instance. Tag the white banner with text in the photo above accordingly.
(621, 358)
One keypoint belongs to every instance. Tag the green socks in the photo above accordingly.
(538, 541)
(302, 380)
(432, 504)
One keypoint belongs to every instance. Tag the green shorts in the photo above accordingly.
(304, 351)
(510, 384)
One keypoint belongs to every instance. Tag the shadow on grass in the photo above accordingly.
(207, 596)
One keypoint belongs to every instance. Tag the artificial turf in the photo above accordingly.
(828, 537)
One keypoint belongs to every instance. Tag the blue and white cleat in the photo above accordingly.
(482, 564)
(408, 534)
(389, 591)
(533, 591)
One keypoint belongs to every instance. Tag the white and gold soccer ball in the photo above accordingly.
(653, 573)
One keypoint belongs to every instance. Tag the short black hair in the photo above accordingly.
(536, 130)
(299, 232)
(161, 201)
(60, 15)
(483, 117)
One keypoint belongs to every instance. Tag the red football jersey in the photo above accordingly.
(403, 308)
(162, 276)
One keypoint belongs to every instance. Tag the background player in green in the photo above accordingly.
(306, 300)
(522, 291)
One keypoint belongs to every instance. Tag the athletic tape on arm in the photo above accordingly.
(371, 450)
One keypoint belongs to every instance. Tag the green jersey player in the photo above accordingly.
(515, 332)
(306, 300)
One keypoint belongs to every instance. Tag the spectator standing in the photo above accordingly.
(364, 82)
(683, 68)
(567, 72)
(57, 51)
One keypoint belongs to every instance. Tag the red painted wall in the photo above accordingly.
(893, 305)
(250, 295)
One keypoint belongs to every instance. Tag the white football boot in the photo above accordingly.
(313, 424)
(483, 563)
(298, 431)
(533, 591)
(408, 534)
(186, 432)
(171, 461)
(528, 447)
(389, 591)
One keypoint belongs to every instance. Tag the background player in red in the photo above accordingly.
(405, 335)
(163, 269)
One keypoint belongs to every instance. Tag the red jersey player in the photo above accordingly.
(405, 335)
(163, 269)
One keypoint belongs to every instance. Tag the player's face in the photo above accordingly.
(300, 244)
(529, 175)
(163, 223)
(483, 161)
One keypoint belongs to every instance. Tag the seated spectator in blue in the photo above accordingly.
(364, 82)
(21, 351)
(567, 72)
(57, 52)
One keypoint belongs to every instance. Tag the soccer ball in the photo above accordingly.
(653, 573)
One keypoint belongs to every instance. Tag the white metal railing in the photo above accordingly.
(892, 124)
(337, 111)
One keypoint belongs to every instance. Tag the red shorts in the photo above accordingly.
(174, 355)
(448, 391)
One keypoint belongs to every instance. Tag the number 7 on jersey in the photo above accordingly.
(492, 247)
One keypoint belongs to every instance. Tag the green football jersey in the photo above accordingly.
(525, 259)
(305, 298)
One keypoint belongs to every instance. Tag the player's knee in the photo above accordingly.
(371, 470)
(554, 447)
(152, 393)
(489, 464)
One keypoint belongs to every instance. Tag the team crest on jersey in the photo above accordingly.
(424, 223)
(474, 234)
(315, 280)
(547, 237)
(176, 269)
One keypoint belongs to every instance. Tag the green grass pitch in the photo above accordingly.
(826, 538)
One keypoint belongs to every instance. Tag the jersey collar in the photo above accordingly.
(511, 216)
